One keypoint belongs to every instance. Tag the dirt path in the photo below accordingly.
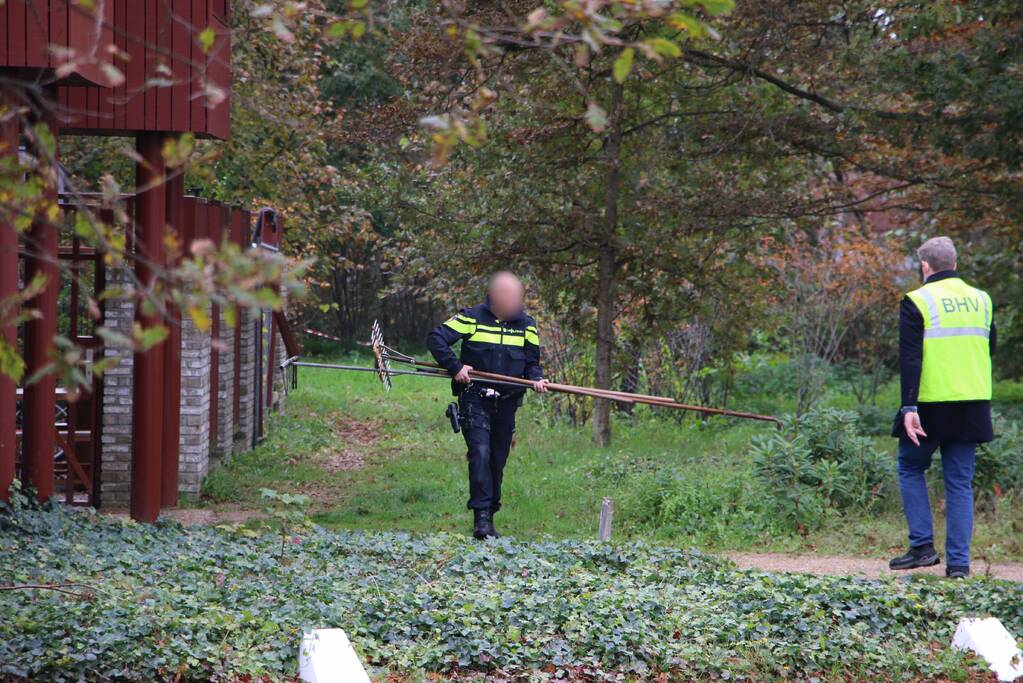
(856, 566)
(825, 565)
(188, 516)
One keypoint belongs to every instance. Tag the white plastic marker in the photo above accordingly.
(989, 639)
(327, 656)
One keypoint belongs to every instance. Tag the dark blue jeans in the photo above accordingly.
(957, 462)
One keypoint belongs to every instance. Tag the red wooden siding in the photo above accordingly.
(170, 85)
(45, 34)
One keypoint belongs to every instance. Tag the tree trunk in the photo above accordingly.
(606, 267)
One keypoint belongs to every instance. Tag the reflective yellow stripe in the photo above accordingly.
(499, 330)
(456, 323)
(491, 338)
(532, 337)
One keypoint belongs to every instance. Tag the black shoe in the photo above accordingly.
(483, 525)
(954, 571)
(920, 556)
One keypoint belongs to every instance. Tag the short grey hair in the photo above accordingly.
(939, 253)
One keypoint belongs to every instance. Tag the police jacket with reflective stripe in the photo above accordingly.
(957, 409)
(507, 347)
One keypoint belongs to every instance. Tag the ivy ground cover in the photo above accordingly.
(155, 603)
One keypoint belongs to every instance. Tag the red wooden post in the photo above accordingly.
(170, 461)
(215, 234)
(8, 287)
(40, 398)
(239, 232)
(147, 401)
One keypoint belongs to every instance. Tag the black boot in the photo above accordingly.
(493, 529)
(920, 556)
(956, 572)
(483, 524)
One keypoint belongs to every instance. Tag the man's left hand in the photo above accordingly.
(540, 386)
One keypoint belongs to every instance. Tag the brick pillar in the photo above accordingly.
(225, 392)
(247, 386)
(195, 407)
(280, 377)
(117, 398)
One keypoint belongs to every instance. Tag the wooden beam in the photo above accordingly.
(171, 456)
(147, 401)
(40, 402)
(9, 130)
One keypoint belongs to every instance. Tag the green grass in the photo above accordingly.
(414, 478)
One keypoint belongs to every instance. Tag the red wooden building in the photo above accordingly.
(145, 68)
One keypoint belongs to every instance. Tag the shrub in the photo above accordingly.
(875, 420)
(999, 468)
(820, 462)
(710, 510)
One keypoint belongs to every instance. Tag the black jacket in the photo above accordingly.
(507, 347)
(960, 420)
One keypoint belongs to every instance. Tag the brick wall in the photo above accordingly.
(195, 407)
(115, 485)
(247, 408)
(225, 391)
(197, 446)
(280, 388)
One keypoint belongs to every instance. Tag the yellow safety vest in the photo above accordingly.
(957, 354)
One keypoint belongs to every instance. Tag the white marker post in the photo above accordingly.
(992, 642)
(327, 656)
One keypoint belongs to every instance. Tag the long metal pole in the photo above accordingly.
(359, 368)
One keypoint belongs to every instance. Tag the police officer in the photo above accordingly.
(497, 336)
(946, 338)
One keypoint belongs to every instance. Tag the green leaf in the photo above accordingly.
(44, 136)
(665, 47)
(206, 39)
(11, 363)
(717, 7)
(200, 316)
(623, 65)
(149, 337)
(685, 22)
(337, 29)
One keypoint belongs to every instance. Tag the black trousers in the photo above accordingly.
(488, 425)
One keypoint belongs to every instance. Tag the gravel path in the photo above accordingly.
(856, 566)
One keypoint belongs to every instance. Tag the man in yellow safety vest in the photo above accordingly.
(946, 338)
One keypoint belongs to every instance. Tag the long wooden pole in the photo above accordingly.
(609, 394)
